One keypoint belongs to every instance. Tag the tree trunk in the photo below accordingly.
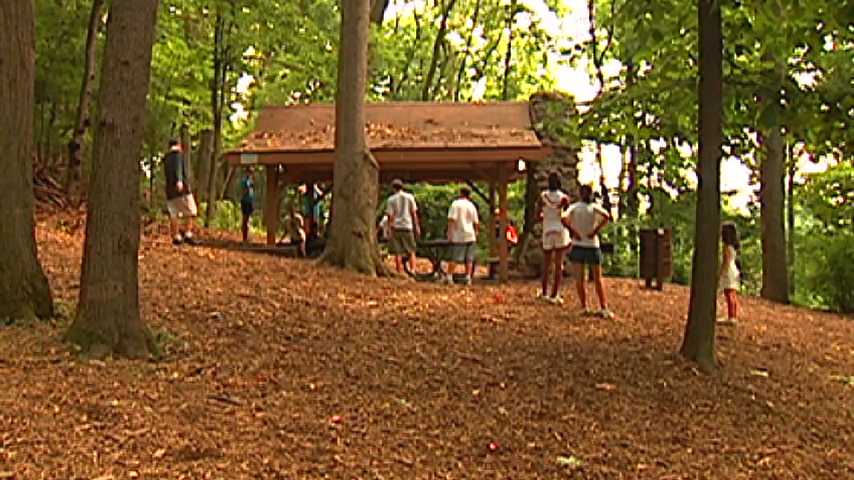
(204, 163)
(467, 52)
(187, 146)
(108, 319)
(434, 61)
(775, 275)
(508, 54)
(699, 341)
(632, 200)
(74, 174)
(790, 215)
(352, 241)
(772, 196)
(24, 290)
(216, 107)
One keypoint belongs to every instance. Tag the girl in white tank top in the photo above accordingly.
(556, 239)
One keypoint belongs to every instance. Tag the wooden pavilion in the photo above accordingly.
(413, 141)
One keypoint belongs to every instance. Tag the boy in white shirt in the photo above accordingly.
(463, 228)
(403, 217)
(585, 220)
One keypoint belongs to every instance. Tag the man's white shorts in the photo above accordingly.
(182, 207)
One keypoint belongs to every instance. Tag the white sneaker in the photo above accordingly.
(558, 300)
(449, 280)
(606, 314)
(468, 281)
(586, 311)
(542, 297)
(727, 321)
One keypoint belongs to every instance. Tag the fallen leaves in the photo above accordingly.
(277, 369)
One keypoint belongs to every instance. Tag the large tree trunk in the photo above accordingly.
(217, 108)
(790, 215)
(203, 160)
(74, 175)
(775, 275)
(187, 146)
(352, 242)
(632, 201)
(772, 197)
(108, 319)
(24, 291)
(699, 341)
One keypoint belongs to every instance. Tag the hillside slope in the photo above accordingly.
(278, 369)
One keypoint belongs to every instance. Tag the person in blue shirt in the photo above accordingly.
(247, 201)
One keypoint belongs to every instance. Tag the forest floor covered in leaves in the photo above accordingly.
(276, 368)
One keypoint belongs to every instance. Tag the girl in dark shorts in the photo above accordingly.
(585, 220)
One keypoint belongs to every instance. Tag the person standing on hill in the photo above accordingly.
(247, 201)
(585, 220)
(402, 214)
(550, 208)
(729, 278)
(463, 228)
(179, 199)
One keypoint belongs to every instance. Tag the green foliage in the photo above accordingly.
(227, 216)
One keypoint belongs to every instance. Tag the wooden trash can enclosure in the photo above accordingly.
(656, 256)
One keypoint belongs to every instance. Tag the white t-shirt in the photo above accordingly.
(584, 217)
(553, 202)
(402, 207)
(464, 215)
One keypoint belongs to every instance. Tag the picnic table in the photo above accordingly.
(434, 250)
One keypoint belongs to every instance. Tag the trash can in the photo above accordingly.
(656, 256)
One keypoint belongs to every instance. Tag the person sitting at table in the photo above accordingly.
(295, 233)
(463, 228)
(512, 234)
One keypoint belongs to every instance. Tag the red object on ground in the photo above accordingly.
(336, 419)
(493, 447)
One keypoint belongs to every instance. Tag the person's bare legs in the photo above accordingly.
(731, 304)
(188, 231)
(600, 289)
(412, 263)
(558, 269)
(547, 265)
(244, 228)
(580, 288)
(173, 228)
(452, 269)
(398, 263)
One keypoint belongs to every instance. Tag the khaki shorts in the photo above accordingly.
(402, 242)
(183, 206)
(463, 252)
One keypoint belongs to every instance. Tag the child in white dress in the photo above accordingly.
(729, 278)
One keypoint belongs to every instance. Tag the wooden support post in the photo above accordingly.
(503, 248)
(493, 239)
(271, 210)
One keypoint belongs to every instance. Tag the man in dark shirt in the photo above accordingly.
(179, 199)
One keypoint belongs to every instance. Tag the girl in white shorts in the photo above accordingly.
(551, 205)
